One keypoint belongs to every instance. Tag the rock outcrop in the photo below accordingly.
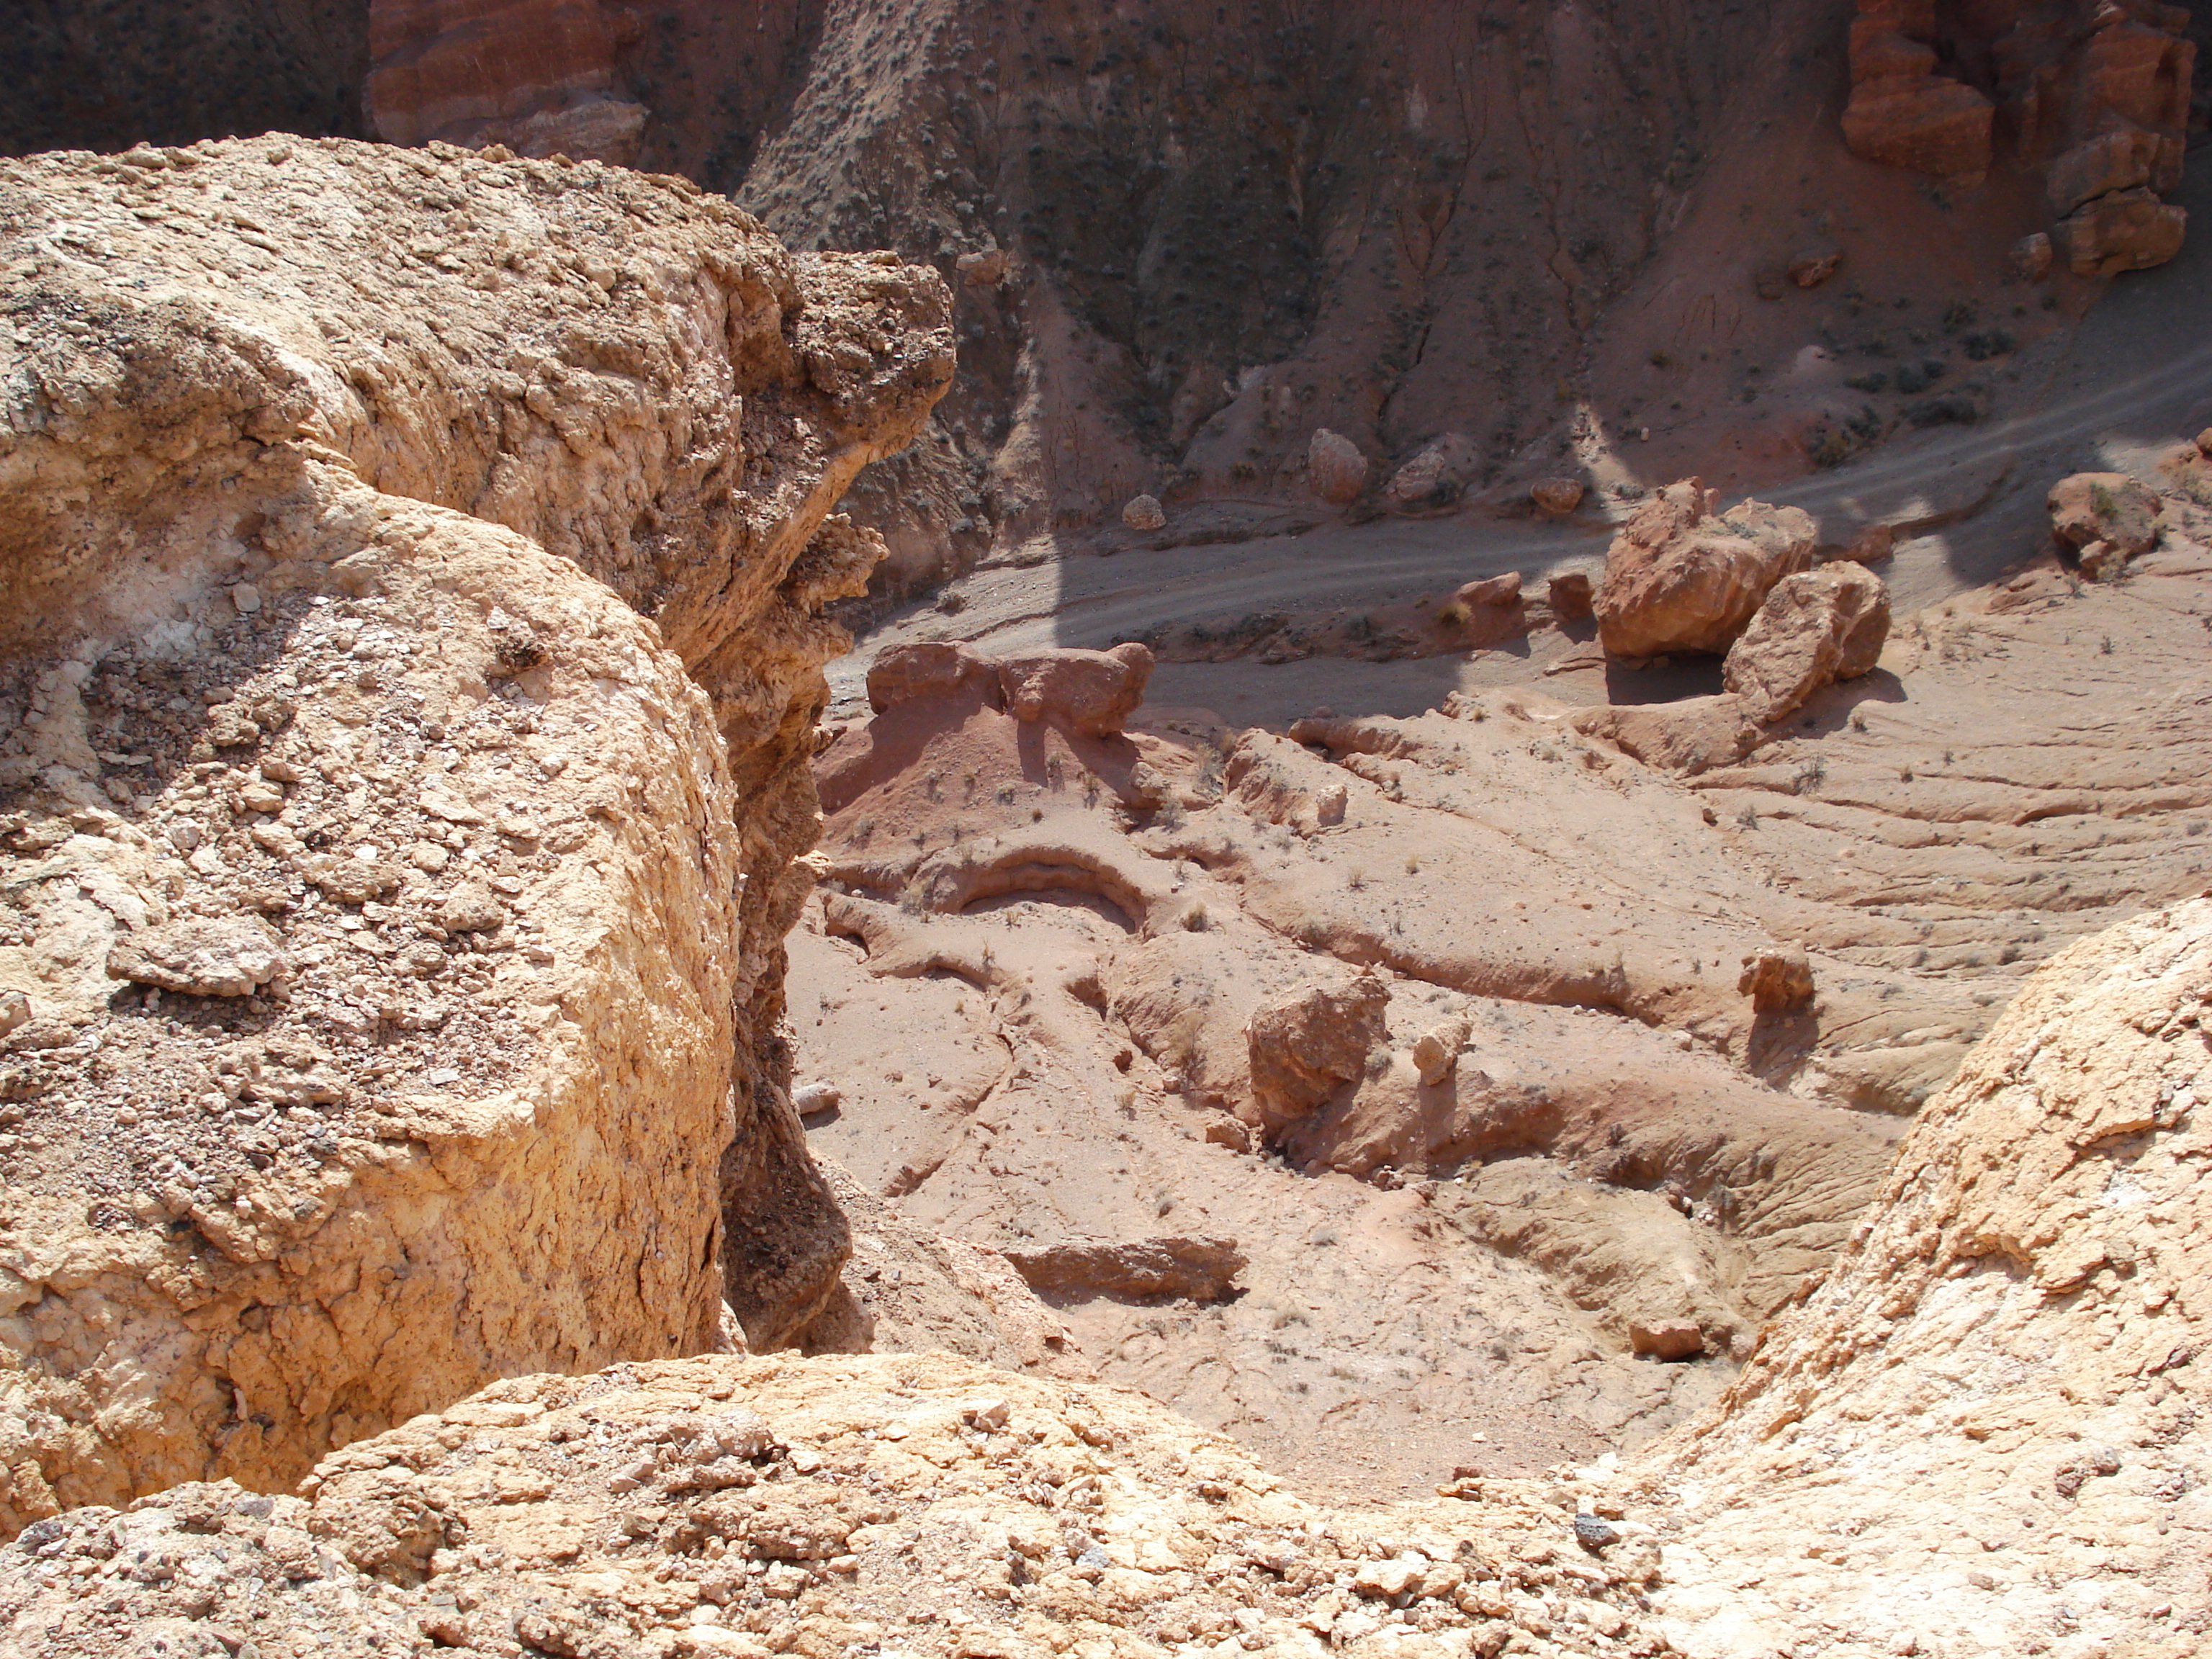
(1985, 1425)
(397, 913)
(1680, 576)
(745, 1507)
(2096, 95)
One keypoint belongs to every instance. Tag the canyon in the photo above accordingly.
(993, 829)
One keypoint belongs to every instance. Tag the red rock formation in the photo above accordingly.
(536, 75)
(2093, 91)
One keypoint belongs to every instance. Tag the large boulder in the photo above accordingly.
(1307, 1042)
(1334, 466)
(1902, 112)
(2105, 518)
(2128, 230)
(1815, 628)
(1093, 692)
(927, 668)
(1680, 577)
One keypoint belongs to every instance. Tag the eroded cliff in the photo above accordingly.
(393, 948)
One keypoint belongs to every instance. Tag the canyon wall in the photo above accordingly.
(412, 569)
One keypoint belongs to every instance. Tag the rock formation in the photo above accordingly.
(2095, 95)
(1983, 1429)
(1681, 576)
(746, 1507)
(396, 924)
(2105, 518)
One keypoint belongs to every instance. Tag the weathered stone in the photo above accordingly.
(1679, 578)
(1335, 468)
(1778, 980)
(2112, 509)
(1306, 1042)
(1144, 513)
(1557, 497)
(1815, 628)
(1089, 691)
(1667, 1339)
(203, 956)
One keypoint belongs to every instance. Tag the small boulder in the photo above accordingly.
(813, 1099)
(1810, 270)
(1667, 1339)
(1777, 979)
(2107, 518)
(1089, 691)
(1432, 480)
(471, 907)
(1305, 1042)
(1436, 1053)
(928, 668)
(1191, 1269)
(1145, 513)
(1556, 497)
(1489, 591)
(1680, 577)
(1572, 596)
(1816, 626)
(984, 268)
(2031, 256)
(203, 956)
(1336, 467)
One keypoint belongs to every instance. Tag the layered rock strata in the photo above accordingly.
(393, 926)
(2094, 94)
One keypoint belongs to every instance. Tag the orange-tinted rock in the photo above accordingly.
(1088, 691)
(1490, 590)
(1681, 577)
(1814, 628)
(1570, 596)
(1778, 980)
(928, 668)
(1925, 122)
(2031, 255)
(2109, 508)
(1812, 269)
(1307, 1041)
(1557, 496)
(2131, 230)
(2123, 159)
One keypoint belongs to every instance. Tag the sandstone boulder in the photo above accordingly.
(1557, 497)
(1335, 467)
(2129, 230)
(1667, 1339)
(1308, 1042)
(2106, 518)
(1815, 628)
(1089, 691)
(1489, 592)
(926, 668)
(1434, 479)
(1572, 596)
(1904, 114)
(1814, 267)
(2032, 255)
(1679, 577)
(1144, 514)
(1778, 979)
(1436, 1051)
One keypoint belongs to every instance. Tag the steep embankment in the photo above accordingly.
(393, 926)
